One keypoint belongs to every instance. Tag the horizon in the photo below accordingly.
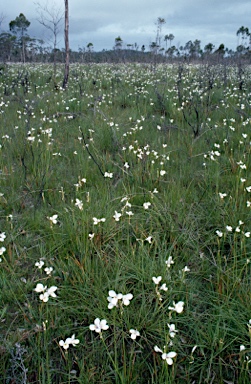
(101, 24)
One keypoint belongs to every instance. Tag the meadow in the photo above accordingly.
(125, 224)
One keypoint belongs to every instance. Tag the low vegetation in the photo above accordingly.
(125, 224)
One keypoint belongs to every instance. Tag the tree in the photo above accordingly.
(118, 43)
(89, 47)
(19, 27)
(171, 52)
(220, 51)
(244, 33)
(208, 49)
(193, 48)
(50, 16)
(197, 48)
(7, 43)
(169, 37)
(153, 47)
(241, 49)
(160, 23)
(67, 48)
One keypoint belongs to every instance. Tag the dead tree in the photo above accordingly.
(50, 16)
(67, 48)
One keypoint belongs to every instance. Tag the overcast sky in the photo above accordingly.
(101, 21)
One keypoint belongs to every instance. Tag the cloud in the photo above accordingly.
(101, 22)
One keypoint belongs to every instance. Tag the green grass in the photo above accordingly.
(141, 127)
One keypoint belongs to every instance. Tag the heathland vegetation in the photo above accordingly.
(125, 224)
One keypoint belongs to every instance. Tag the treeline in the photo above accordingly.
(17, 46)
(10, 52)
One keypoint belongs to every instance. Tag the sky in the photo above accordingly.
(101, 21)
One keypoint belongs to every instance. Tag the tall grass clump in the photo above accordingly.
(125, 225)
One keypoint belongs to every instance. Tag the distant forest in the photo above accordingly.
(16, 45)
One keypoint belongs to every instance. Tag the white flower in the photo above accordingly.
(69, 341)
(39, 264)
(51, 291)
(163, 287)
(64, 344)
(79, 204)
(157, 349)
(219, 233)
(146, 205)
(172, 330)
(91, 235)
(162, 172)
(2, 236)
(53, 219)
(48, 270)
(242, 348)
(149, 239)
(40, 288)
(2, 250)
(97, 221)
(117, 216)
(99, 325)
(248, 189)
(109, 175)
(169, 357)
(186, 269)
(169, 261)
(248, 204)
(126, 298)
(73, 341)
(46, 293)
(134, 333)
(229, 228)
(113, 298)
(44, 297)
(156, 280)
(222, 195)
(129, 213)
(178, 307)
(247, 234)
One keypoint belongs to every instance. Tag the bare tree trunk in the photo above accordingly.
(67, 49)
